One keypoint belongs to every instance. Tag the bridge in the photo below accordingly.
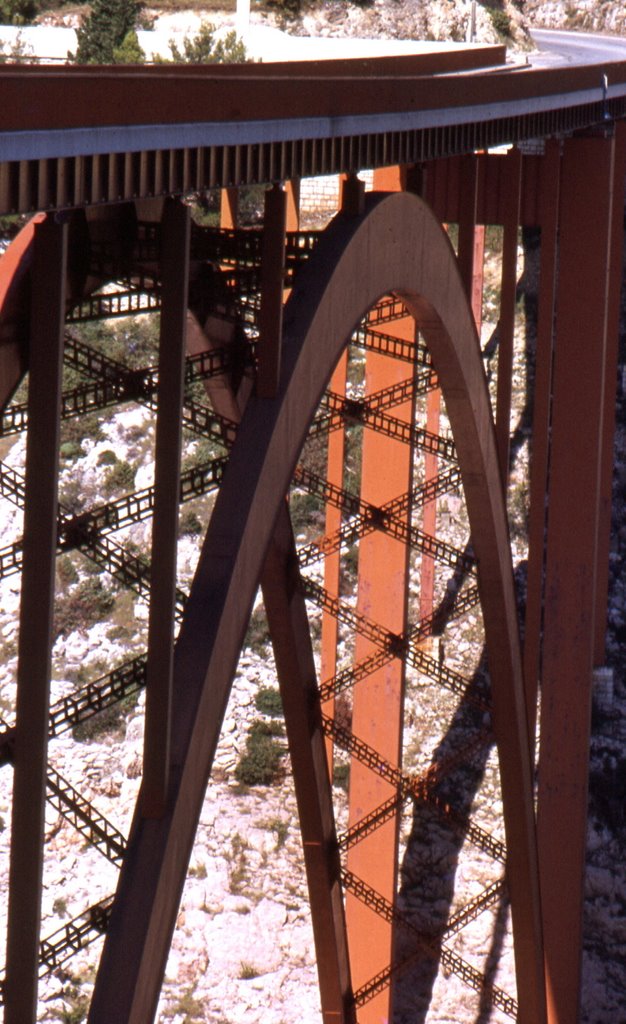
(365, 333)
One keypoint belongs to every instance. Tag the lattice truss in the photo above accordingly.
(439, 902)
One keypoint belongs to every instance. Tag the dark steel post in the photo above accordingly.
(586, 219)
(506, 327)
(549, 219)
(608, 410)
(272, 285)
(36, 621)
(175, 233)
(295, 665)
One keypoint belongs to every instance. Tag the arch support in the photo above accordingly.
(395, 246)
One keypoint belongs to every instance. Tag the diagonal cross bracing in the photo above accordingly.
(430, 947)
(359, 525)
(382, 519)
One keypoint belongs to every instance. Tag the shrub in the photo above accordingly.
(86, 604)
(18, 12)
(107, 458)
(205, 48)
(288, 8)
(257, 635)
(501, 22)
(66, 571)
(259, 764)
(120, 477)
(70, 451)
(248, 971)
(341, 776)
(268, 701)
(259, 728)
(189, 525)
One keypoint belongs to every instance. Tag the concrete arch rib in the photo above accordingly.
(395, 246)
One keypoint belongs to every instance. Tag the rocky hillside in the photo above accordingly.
(408, 19)
(583, 15)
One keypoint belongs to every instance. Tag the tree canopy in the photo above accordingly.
(18, 12)
(108, 34)
(206, 48)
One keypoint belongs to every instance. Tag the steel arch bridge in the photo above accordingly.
(383, 291)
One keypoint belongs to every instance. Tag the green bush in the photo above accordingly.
(85, 605)
(260, 728)
(260, 763)
(189, 525)
(70, 451)
(257, 635)
(18, 12)
(268, 701)
(289, 8)
(107, 458)
(341, 776)
(501, 22)
(205, 48)
(120, 477)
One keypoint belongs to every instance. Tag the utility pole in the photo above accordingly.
(242, 23)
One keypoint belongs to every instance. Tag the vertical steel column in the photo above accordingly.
(292, 189)
(295, 665)
(549, 218)
(272, 285)
(608, 430)
(429, 512)
(175, 236)
(467, 221)
(332, 559)
(506, 326)
(229, 208)
(36, 621)
(582, 317)
(478, 275)
(378, 700)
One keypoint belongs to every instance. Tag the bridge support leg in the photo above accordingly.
(36, 621)
(175, 280)
(608, 430)
(506, 326)
(583, 317)
(378, 700)
(549, 183)
(332, 560)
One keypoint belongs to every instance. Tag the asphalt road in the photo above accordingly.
(559, 48)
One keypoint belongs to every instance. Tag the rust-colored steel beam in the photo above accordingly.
(378, 702)
(506, 322)
(429, 514)
(15, 265)
(583, 317)
(272, 284)
(332, 559)
(549, 185)
(36, 620)
(175, 235)
(66, 97)
(295, 665)
(608, 409)
(468, 175)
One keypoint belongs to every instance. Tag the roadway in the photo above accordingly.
(575, 48)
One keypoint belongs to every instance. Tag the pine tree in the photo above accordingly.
(206, 48)
(102, 35)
